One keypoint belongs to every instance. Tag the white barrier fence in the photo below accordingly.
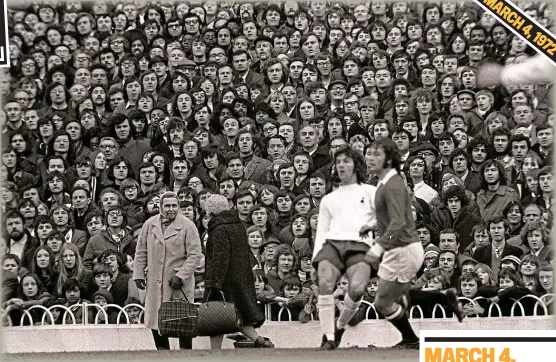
(84, 310)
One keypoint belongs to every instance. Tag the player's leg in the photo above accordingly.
(328, 276)
(386, 302)
(397, 268)
(358, 277)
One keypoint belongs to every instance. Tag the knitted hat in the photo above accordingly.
(216, 204)
(432, 250)
(104, 293)
(511, 258)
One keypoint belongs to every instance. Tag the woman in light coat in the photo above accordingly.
(169, 246)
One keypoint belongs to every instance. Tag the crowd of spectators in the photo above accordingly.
(107, 105)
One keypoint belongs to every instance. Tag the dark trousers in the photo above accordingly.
(164, 343)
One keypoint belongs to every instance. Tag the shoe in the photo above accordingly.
(453, 304)
(327, 345)
(407, 344)
(338, 334)
(263, 343)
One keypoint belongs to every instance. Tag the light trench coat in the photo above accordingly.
(176, 251)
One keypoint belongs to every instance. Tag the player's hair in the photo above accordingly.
(360, 167)
(391, 151)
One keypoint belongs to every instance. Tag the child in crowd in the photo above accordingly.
(291, 297)
(133, 311)
(199, 288)
(31, 292)
(73, 290)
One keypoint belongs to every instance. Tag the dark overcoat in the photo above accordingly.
(227, 266)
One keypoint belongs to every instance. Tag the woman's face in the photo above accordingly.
(458, 46)
(69, 258)
(528, 268)
(535, 240)
(255, 240)
(207, 87)
(228, 98)
(30, 287)
(306, 110)
(469, 288)
(43, 259)
(55, 243)
(100, 161)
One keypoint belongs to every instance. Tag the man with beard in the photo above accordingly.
(20, 242)
(175, 136)
(494, 195)
(256, 168)
(131, 149)
(170, 247)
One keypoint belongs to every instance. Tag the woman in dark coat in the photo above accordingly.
(226, 269)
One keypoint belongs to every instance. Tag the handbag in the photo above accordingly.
(218, 317)
(177, 318)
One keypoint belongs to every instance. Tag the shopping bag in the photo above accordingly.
(177, 318)
(218, 317)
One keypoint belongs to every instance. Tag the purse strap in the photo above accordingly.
(221, 293)
(184, 297)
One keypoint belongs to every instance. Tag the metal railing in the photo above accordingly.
(81, 312)
(75, 313)
(540, 304)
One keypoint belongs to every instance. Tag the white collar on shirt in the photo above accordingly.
(387, 177)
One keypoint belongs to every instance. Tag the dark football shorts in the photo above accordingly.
(341, 253)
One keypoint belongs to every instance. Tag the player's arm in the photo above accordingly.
(323, 225)
(396, 202)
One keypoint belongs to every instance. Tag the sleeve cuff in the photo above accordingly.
(377, 249)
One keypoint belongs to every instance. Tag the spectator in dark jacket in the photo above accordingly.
(227, 271)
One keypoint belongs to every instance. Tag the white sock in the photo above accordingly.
(326, 315)
(350, 308)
